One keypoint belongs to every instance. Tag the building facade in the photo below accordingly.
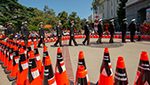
(91, 17)
(108, 9)
(137, 9)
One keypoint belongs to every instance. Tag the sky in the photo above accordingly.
(82, 7)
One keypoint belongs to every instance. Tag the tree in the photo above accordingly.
(95, 4)
(121, 12)
(73, 17)
(63, 16)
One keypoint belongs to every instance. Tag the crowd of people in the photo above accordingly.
(41, 34)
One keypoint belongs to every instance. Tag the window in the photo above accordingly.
(111, 12)
(111, 3)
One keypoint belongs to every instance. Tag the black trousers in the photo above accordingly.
(87, 39)
(72, 38)
(99, 39)
(123, 36)
(111, 39)
(58, 41)
(41, 41)
(132, 36)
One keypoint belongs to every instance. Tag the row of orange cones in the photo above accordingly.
(36, 71)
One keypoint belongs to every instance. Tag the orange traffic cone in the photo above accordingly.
(29, 40)
(22, 69)
(48, 40)
(28, 50)
(52, 40)
(33, 72)
(60, 70)
(7, 55)
(38, 59)
(143, 73)
(0, 51)
(14, 70)
(82, 62)
(55, 39)
(81, 76)
(49, 77)
(24, 47)
(45, 53)
(106, 74)
(9, 67)
(2, 62)
(35, 40)
(4, 56)
(120, 74)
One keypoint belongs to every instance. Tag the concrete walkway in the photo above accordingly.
(93, 58)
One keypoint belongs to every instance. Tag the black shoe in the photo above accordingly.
(83, 43)
(76, 45)
(61, 46)
(132, 41)
(39, 46)
(55, 45)
(97, 42)
(124, 42)
(70, 45)
(100, 43)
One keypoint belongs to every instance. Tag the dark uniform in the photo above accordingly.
(42, 36)
(25, 33)
(5, 31)
(10, 31)
(132, 28)
(87, 31)
(100, 32)
(111, 29)
(59, 35)
(72, 36)
(123, 30)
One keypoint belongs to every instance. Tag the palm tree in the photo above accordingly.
(95, 4)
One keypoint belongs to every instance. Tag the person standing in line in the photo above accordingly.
(100, 31)
(124, 29)
(10, 31)
(59, 34)
(111, 29)
(72, 34)
(132, 28)
(41, 34)
(87, 31)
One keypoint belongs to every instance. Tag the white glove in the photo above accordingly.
(58, 34)
(41, 36)
(71, 34)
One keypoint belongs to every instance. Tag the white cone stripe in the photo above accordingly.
(11, 56)
(61, 62)
(109, 64)
(54, 83)
(17, 60)
(46, 70)
(35, 74)
(4, 52)
(146, 83)
(38, 58)
(51, 78)
(87, 77)
(7, 53)
(64, 68)
(24, 66)
(25, 52)
(46, 74)
(111, 72)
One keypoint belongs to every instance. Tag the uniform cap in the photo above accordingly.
(112, 20)
(87, 21)
(10, 23)
(125, 19)
(59, 21)
(133, 20)
(100, 20)
(40, 23)
(25, 22)
(72, 22)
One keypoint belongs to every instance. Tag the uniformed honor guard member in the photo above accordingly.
(111, 29)
(6, 32)
(87, 32)
(42, 35)
(132, 28)
(72, 34)
(59, 34)
(100, 31)
(10, 31)
(124, 29)
(25, 32)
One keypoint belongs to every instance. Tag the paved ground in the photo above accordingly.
(93, 58)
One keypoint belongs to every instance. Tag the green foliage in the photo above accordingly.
(46, 29)
(33, 28)
(121, 12)
(95, 4)
(73, 17)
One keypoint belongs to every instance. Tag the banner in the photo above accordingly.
(148, 14)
